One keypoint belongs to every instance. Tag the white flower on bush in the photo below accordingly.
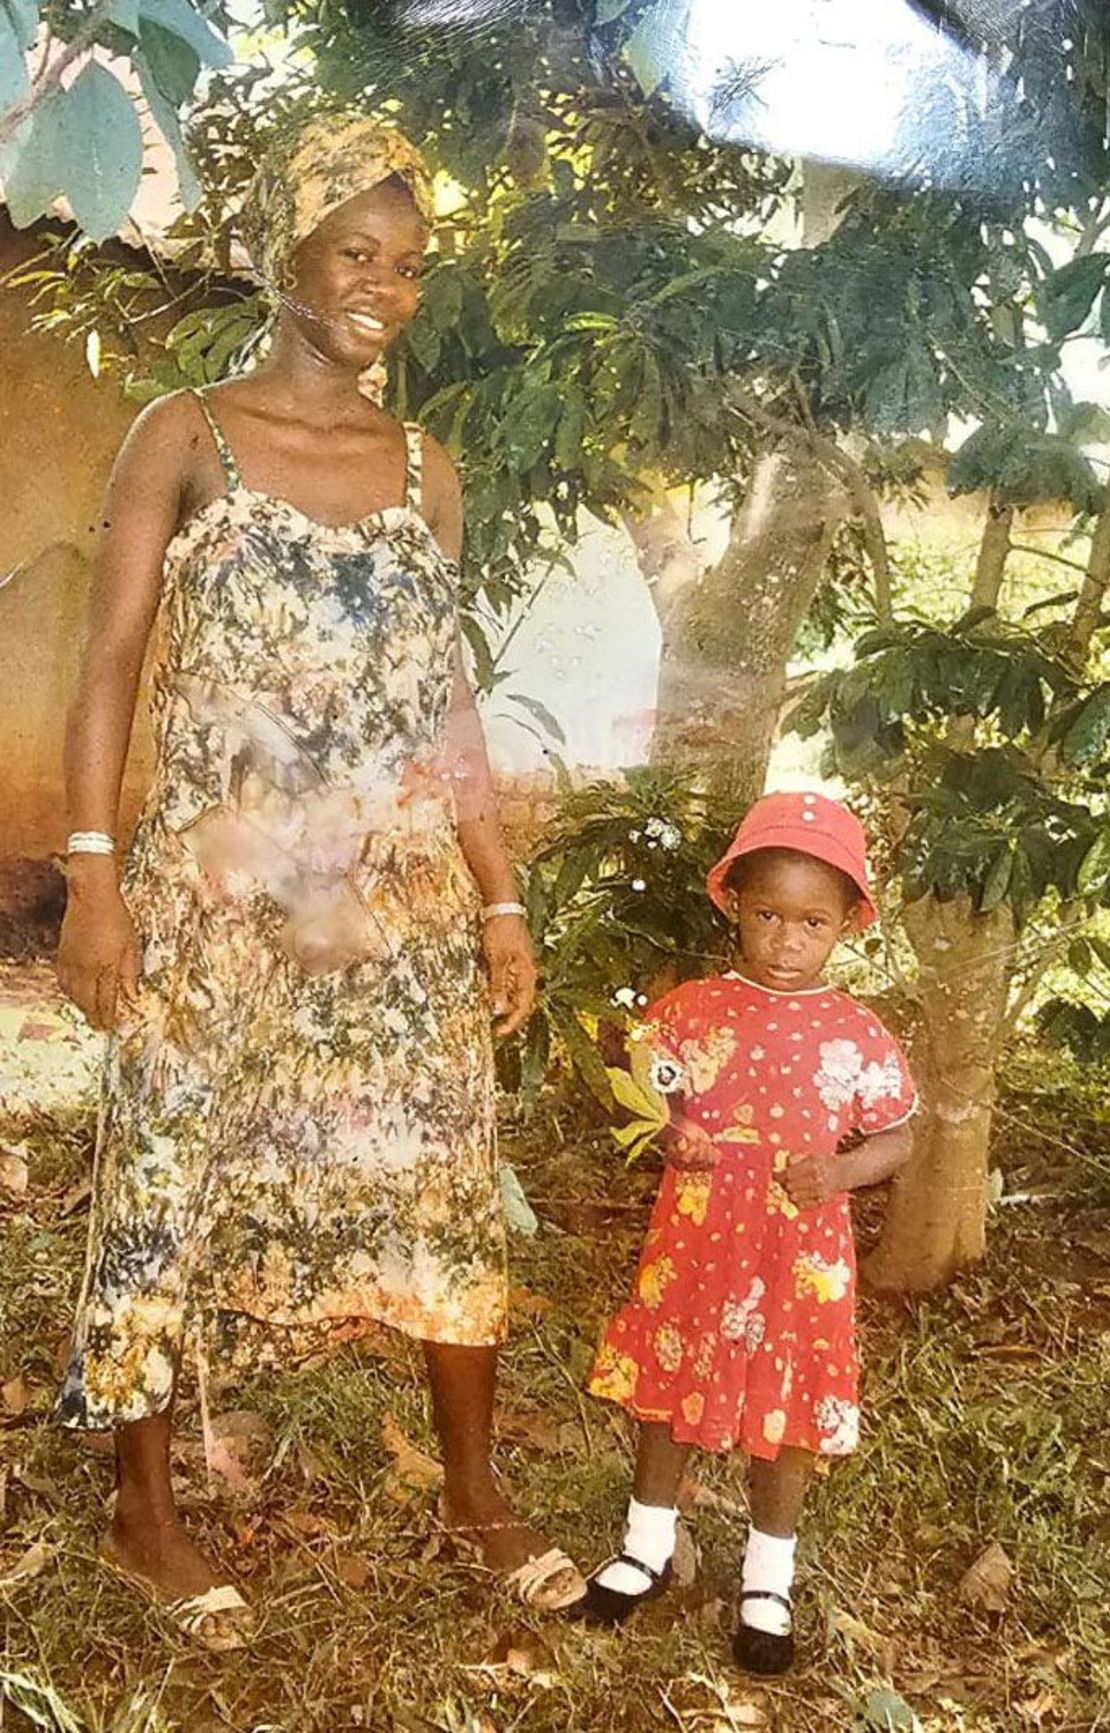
(838, 1074)
(625, 996)
(839, 1424)
(663, 832)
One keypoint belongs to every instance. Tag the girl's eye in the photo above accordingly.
(766, 914)
(357, 254)
(412, 272)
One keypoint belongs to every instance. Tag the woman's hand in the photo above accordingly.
(687, 1145)
(98, 955)
(507, 944)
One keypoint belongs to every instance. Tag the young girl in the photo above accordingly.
(785, 1095)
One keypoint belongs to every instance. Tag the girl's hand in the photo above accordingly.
(812, 1181)
(98, 954)
(507, 944)
(688, 1146)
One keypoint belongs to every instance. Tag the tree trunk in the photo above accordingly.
(936, 1220)
(729, 637)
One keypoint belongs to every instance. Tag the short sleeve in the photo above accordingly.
(885, 1095)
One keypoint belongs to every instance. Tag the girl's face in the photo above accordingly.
(790, 911)
(357, 276)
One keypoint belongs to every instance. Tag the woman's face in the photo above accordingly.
(357, 276)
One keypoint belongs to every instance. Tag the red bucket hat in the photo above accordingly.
(810, 824)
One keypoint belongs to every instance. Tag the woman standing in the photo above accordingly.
(296, 1134)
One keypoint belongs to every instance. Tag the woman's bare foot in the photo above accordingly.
(482, 1514)
(157, 1551)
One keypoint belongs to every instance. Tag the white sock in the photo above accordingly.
(768, 1564)
(649, 1533)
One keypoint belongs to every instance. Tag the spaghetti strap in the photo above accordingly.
(414, 467)
(219, 438)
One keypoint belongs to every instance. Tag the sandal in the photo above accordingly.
(204, 1618)
(764, 1653)
(550, 1583)
(604, 1606)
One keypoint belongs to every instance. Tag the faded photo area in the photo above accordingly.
(770, 345)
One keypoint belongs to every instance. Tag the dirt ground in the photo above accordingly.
(955, 1574)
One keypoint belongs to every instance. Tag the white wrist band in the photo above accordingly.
(90, 842)
(491, 910)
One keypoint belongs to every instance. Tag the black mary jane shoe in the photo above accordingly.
(763, 1652)
(603, 1606)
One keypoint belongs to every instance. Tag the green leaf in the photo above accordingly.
(568, 434)
(634, 1132)
(103, 151)
(1086, 738)
(641, 1102)
(1069, 294)
(33, 163)
(1101, 948)
(425, 342)
(607, 10)
(997, 881)
(164, 114)
(23, 18)
(184, 21)
(645, 52)
(519, 1213)
(541, 713)
(14, 82)
(124, 14)
(1095, 865)
(172, 65)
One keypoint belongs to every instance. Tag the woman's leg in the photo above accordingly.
(146, 1533)
(462, 1381)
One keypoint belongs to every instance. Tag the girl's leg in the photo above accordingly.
(650, 1525)
(777, 1490)
(462, 1382)
(146, 1534)
(764, 1640)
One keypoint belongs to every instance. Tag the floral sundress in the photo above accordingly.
(296, 1137)
(740, 1333)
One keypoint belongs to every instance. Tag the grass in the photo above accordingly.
(986, 1425)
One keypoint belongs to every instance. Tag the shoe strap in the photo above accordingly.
(627, 1558)
(765, 1595)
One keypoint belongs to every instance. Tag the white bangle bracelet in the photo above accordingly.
(90, 842)
(492, 910)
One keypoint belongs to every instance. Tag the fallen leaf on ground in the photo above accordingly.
(692, 1495)
(15, 1395)
(413, 1469)
(14, 1172)
(32, 1564)
(685, 1558)
(847, 1625)
(311, 1464)
(523, 1302)
(233, 1444)
(353, 1571)
(537, 1430)
(987, 1583)
(75, 1197)
(306, 1522)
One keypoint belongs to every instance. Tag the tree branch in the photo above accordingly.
(12, 118)
(1088, 610)
(990, 568)
(860, 491)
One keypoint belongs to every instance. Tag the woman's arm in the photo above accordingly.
(98, 953)
(506, 941)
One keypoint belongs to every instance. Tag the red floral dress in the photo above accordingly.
(741, 1329)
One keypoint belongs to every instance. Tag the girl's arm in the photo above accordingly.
(98, 952)
(816, 1178)
(505, 938)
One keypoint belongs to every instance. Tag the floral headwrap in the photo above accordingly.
(310, 173)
